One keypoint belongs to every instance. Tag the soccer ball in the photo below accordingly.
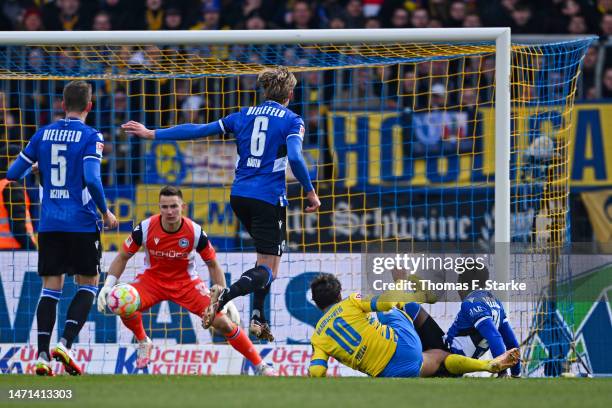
(123, 300)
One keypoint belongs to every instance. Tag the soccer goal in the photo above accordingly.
(443, 138)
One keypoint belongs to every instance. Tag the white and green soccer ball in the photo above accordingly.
(123, 300)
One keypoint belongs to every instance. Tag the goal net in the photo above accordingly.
(400, 141)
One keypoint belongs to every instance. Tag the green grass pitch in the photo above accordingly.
(257, 392)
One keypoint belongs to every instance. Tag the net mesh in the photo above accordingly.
(400, 141)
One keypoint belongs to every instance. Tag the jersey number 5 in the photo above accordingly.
(258, 137)
(58, 163)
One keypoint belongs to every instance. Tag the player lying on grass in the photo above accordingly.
(481, 323)
(171, 241)
(268, 136)
(389, 347)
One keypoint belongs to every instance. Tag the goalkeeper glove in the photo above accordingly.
(108, 285)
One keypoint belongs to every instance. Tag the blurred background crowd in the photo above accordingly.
(533, 17)
(437, 86)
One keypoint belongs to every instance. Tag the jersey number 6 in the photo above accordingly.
(258, 137)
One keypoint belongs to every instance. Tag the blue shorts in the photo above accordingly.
(408, 357)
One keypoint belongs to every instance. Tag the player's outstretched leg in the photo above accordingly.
(144, 347)
(75, 319)
(457, 364)
(255, 278)
(46, 313)
(238, 339)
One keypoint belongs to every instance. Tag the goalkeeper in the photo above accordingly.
(170, 241)
(389, 347)
(268, 136)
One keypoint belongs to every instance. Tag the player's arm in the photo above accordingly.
(387, 300)
(318, 362)
(187, 131)
(130, 246)
(511, 342)
(91, 173)
(295, 139)
(22, 165)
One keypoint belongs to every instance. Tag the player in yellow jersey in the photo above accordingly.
(389, 347)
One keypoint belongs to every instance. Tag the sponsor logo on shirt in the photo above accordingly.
(172, 254)
(156, 240)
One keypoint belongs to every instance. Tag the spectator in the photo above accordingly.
(570, 8)
(337, 23)
(122, 13)
(255, 22)
(496, 13)
(102, 22)
(237, 16)
(9, 130)
(354, 14)
(400, 18)
(435, 23)
(457, 14)
(67, 15)
(472, 21)
(522, 21)
(372, 22)
(589, 66)
(438, 9)
(577, 25)
(388, 7)
(420, 18)
(606, 25)
(32, 20)
(606, 89)
(9, 15)
(16, 231)
(153, 15)
(301, 16)
(35, 59)
(173, 19)
(574, 8)
(211, 18)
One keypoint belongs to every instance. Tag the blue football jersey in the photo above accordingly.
(60, 149)
(463, 336)
(261, 137)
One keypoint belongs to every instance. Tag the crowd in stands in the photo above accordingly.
(409, 88)
(550, 17)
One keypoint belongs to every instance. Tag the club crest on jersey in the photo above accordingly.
(156, 240)
(183, 242)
